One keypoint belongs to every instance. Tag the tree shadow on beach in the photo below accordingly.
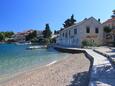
(80, 79)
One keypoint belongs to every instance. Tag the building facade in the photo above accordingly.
(21, 36)
(88, 29)
(110, 37)
(110, 22)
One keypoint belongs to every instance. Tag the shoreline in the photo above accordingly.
(11, 76)
(55, 66)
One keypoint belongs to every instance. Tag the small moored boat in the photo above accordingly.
(36, 47)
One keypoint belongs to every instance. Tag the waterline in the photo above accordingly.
(16, 59)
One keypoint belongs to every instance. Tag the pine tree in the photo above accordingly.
(72, 20)
(69, 22)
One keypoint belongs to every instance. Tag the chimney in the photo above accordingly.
(98, 19)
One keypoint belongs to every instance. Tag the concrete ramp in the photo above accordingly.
(102, 73)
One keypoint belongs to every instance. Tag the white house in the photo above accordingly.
(88, 29)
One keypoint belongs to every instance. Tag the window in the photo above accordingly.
(96, 30)
(69, 32)
(66, 35)
(63, 34)
(87, 29)
(75, 31)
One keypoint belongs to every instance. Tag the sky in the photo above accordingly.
(21, 15)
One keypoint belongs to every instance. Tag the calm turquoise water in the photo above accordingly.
(14, 58)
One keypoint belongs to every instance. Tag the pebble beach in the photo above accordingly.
(70, 71)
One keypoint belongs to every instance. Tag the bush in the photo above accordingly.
(107, 29)
(88, 43)
(44, 41)
(113, 44)
(35, 40)
(53, 40)
(85, 43)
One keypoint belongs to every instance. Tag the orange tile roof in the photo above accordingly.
(109, 20)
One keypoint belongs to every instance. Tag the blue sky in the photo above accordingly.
(20, 15)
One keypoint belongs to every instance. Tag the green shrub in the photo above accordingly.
(85, 43)
(88, 43)
(107, 29)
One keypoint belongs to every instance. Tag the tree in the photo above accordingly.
(72, 20)
(31, 36)
(69, 22)
(34, 34)
(8, 34)
(1, 37)
(55, 32)
(40, 40)
(46, 41)
(107, 29)
(114, 11)
(4, 35)
(47, 32)
(53, 40)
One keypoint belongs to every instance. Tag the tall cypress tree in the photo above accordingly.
(114, 11)
(47, 32)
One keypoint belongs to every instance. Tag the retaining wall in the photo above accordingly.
(74, 51)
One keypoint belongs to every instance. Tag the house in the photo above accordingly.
(110, 37)
(21, 36)
(88, 29)
(110, 22)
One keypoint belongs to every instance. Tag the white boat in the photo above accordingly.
(36, 47)
(23, 43)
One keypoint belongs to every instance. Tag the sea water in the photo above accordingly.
(16, 58)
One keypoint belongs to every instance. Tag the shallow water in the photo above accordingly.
(14, 58)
